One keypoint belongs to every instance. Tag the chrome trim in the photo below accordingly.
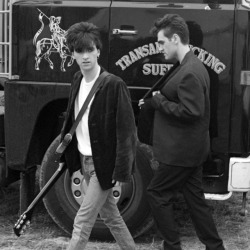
(218, 197)
(124, 32)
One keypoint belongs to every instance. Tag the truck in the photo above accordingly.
(36, 69)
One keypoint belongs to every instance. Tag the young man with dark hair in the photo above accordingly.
(181, 137)
(104, 144)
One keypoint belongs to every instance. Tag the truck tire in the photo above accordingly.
(64, 198)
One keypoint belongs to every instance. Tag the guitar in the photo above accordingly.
(25, 219)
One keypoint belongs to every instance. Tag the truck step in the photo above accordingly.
(218, 197)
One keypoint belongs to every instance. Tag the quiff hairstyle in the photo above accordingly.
(83, 36)
(172, 24)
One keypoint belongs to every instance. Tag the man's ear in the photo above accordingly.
(175, 38)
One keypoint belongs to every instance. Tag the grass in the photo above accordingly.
(45, 235)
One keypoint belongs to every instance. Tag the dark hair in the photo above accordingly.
(172, 24)
(82, 36)
(195, 34)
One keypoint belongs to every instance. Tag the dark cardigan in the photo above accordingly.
(112, 131)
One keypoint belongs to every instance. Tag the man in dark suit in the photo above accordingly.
(181, 137)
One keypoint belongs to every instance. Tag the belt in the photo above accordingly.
(86, 157)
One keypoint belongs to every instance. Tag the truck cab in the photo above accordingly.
(36, 69)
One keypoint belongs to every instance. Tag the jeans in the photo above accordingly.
(96, 201)
(161, 193)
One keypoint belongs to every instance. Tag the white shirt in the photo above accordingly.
(82, 130)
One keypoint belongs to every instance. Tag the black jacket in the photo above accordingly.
(182, 114)
(112, 131)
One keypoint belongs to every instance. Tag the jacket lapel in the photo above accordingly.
(169, 75)
(161, 82)
(75, 89)
(175, 69)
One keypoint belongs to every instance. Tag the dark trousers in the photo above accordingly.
(161, 192)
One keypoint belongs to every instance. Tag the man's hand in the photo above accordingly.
(141, 102)
(156, 92)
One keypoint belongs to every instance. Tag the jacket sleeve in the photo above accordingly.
(126, 136)
(67, 112)
(191, 100)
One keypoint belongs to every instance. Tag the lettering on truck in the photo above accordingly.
(160, 69)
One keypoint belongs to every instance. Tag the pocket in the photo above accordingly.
(92, 172)
(87, 164)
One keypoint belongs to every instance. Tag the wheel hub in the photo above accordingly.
(123, 193)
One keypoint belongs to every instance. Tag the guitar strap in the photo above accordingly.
(159, 84)
(68, 137)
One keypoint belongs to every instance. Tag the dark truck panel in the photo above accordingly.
(134, 57)
(43, 68)
(240, 95)
(32, 120)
